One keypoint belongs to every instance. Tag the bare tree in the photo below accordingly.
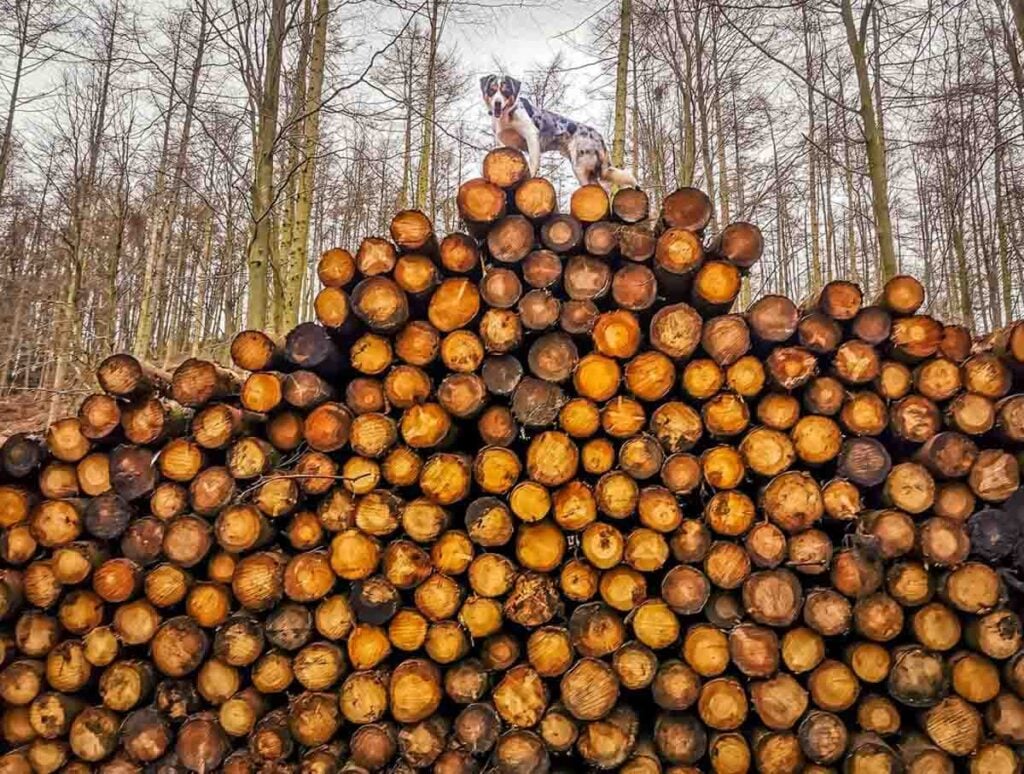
(298, 245)
(169, 178)
(167, 194)
(621, 78)
(27, 28)
(871, 125)
(86, 102)
(437, 13)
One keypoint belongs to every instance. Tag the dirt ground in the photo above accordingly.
(23, 412)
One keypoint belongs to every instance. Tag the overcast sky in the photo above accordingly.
(524, 38)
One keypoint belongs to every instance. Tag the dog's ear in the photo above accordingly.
(516, 86)
(485, 82)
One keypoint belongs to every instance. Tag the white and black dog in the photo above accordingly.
(520, 124)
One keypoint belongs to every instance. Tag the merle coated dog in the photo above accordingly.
(518, 123)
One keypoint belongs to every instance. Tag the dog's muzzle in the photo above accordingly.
(496, 107)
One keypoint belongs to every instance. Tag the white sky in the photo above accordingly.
(525, 38)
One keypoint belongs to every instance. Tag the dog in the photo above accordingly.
(518, 123)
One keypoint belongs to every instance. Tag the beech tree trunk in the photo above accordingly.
(166, 202)
(69, 320)
(856, 37)
(423, 178)
(618, 155)
(259, 254)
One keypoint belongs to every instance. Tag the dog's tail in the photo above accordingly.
(614, 175)
(619, 177)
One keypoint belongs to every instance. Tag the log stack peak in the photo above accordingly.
(537, 496)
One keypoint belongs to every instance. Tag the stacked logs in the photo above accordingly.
(531, 498)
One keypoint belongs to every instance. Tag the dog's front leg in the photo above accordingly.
(533, 148)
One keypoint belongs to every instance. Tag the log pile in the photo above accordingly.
(531, 498)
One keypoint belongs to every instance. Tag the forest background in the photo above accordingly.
(170, 172)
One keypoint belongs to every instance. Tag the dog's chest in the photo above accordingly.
(511, 137)
(513, 130)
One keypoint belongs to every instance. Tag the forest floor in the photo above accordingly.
(23, 412)
(26, 410)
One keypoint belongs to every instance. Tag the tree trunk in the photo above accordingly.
(171, 311)
(231, 310)
(201, 285)
(402, 201)
(167, 201)
(741, 200)
(723, 168)
(687, 132)
(812, 154)
(1018, 17)
(702, 111)
(635, 166)
(22, 11)
(284, 265)
(621, 76)
(745, 291)
(8, 367)
(986, 249)
(68, 328)
(779, 209)
(873, 138)
(960, 251)
(1006, 291)
(1010, 45)
(831, 247)
(427, 144)
(299, 248)
(107, 316)
(261, 240)
(851, 198)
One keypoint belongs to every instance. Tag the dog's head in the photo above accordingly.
(500, 93)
